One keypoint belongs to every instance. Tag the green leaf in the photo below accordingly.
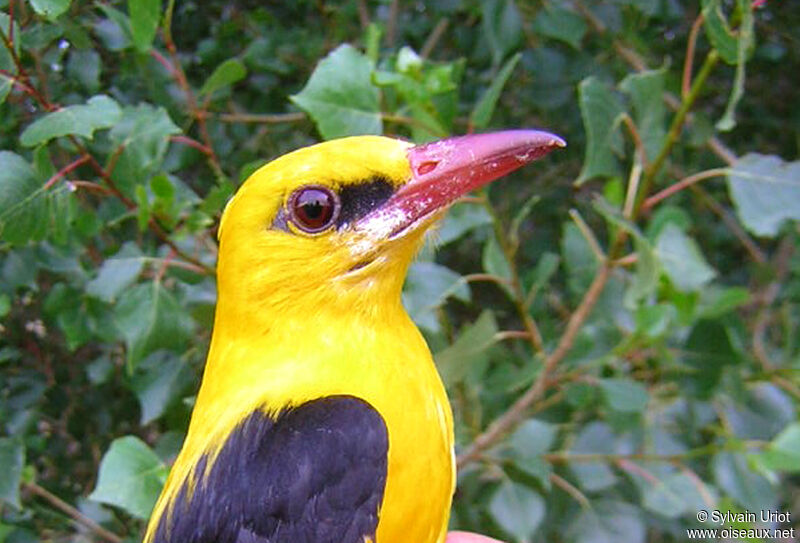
(131, 476)
(149, 318)
(144, 16)
(460, 219)
(579, 260)
(224, 75)
(143, 133)
(594, 438)
(469, 350)
(783, 453)
(117, 273)
(158, 381)
(81, 120)
(517, 509)
(766, 192)
(734, 475)
(646, 91)
(708, 349)
(482, 112)
(560, 24)
(624, 395)
(528, 443)
(682, 260)
(340, 96)
(608, 521)
(85, 67)
(502, 27)
(494, 260)
(50, 9)
(427, 286)
(600, 110)
(719, 32)
(28, 212)
(12, 458)
(654, 321)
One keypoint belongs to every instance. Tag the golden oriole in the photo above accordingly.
(321, 417)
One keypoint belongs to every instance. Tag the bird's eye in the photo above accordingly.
(313, 208)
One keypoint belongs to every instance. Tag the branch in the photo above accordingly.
(76, 515)
(511, 417)
(682, 184)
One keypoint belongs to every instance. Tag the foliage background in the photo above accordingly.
(618, 357)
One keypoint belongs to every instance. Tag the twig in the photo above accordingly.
(733, 225)
(682, 184)
(690, 48)
(588, 235)
(434, 37)
(261, 118)
(76, 515)
(782, 260)
(519, 408)
(74, 165)
(570, 489)
(511, 334)
(391, 23)
(675, 128)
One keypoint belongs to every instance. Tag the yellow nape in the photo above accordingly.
(302, 316)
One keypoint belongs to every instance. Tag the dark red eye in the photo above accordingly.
(313, 208)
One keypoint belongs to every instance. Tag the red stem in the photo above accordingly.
(75, 164)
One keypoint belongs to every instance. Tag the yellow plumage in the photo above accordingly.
(294, 324)
(304, 314)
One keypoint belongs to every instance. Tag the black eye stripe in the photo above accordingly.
(355, 202)
(359, 199)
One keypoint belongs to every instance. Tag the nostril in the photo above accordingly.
(426, 167)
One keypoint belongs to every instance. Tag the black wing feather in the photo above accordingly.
(314, 473)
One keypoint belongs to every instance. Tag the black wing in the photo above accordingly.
(315, 473)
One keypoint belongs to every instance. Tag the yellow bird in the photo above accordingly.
(321, 417)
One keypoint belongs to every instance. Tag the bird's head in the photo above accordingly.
(336, 224)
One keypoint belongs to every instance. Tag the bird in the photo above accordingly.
(321, 417)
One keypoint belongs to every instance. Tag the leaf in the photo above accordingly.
(682, 260)
(482, 112)
(494, 260)
(528, 443)
(340, 96)
(81, 120)
(460, 219)
(85, 67)
(427, 286)
(600, 110)
(50, 9)
(143, 132)
(560, 24)
(28, 212)
(673, 496)
(766, 192)
(708, 349)
(149, 318)
(594, 438)
(783, 453)
(224, 75)
(144, 16)
(131, 476)
(158, 381)
(608, 521)
(517, 509)
(646, 91)
(117, 273)
(719, 32)
(502, 27)
(12, 458)
(750, 489)
(624, 395)
(579, 260)
(468, 350)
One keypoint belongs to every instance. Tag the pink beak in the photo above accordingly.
(444, 170)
